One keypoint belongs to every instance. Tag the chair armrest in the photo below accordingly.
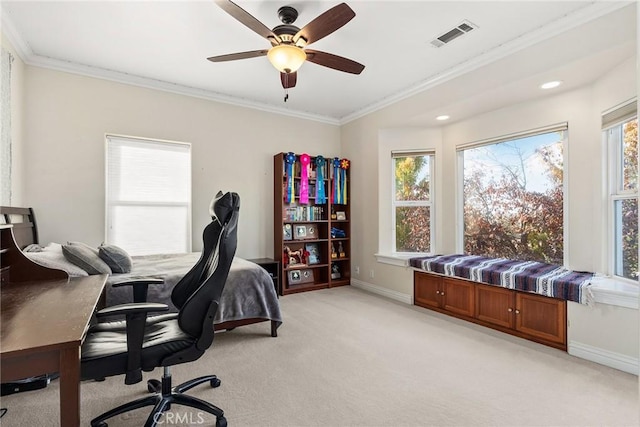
(132, 308)
(136, 318)
(140, 287)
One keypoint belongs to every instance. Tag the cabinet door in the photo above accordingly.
(541, 317)
(426, 290)
(458, 296)
(495, 305)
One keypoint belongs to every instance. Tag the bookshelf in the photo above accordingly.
(311, 226)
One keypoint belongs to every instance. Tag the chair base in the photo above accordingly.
(162, 402)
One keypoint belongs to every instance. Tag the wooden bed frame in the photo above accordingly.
(25, 232)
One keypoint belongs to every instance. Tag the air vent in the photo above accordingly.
(454, 33)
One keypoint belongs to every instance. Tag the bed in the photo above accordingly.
(248, 297)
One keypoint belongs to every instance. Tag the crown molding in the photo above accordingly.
(134, 80)
(23, 50)
(567, 22)
(27, 55)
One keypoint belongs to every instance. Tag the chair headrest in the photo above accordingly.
(222, 207)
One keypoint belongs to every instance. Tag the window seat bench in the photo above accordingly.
(522, 298)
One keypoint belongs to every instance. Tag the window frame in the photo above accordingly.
(413, 203)
(109, 204)
(558, 127)
(612, 120)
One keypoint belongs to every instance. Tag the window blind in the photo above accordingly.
(518, 135)
(619, 114)
(148, 195)
(411, 153)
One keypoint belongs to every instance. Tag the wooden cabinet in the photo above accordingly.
(542, 317)
(443, 293)
(311, 233)
(535, 317)
(427, 289)
(458, 296)
(495, 305)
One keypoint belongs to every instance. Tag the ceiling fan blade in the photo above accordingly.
(334, 61)
(239, 55)
(247, 19)
(288, 80)
(326, 23)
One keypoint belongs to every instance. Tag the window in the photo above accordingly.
(513, 198)
(5, 130)
(148, 195)
(621, 135)
(412, 201)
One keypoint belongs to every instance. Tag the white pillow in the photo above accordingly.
(52, 257)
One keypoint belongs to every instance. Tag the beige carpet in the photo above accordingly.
(345, 357)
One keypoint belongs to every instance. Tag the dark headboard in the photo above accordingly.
(23, 220)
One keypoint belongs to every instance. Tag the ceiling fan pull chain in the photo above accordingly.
(286, 95)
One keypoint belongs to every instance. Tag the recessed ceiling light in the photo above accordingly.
(550, 85)
(443, 117)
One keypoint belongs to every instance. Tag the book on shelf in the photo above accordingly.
(303, 213)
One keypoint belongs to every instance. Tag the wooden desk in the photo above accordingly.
(43, 325)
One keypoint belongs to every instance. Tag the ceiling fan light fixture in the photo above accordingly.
(286, 58)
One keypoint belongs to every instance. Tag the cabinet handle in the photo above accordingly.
(437, 292)
(517, 311)
(509, 309)
(442, 293)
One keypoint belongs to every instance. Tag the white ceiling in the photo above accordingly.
(164, 44)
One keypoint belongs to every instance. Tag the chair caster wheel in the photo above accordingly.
(221, 422)
(216, 383)
(154, 386)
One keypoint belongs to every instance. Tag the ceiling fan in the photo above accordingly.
(288, 43)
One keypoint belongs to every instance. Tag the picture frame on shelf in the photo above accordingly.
(307, 276)
(341, 216)
(312, 232)
(335, 271)
(299, 277)
(305, 232)
(294, 277)
(314, 253)
(300, 232)
(287, 232)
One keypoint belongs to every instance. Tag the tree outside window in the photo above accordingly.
(513, 198)
(412, 207)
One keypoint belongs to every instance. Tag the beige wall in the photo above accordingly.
(17, 124)
(232, 150)
(371, 138)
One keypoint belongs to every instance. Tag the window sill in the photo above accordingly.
(400, 260)
(607, 290)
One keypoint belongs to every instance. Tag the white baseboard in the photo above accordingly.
(398, 296)
(604, 357)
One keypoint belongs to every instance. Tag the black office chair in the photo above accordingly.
(173, 339)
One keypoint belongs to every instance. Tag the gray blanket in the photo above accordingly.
(249, 292)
